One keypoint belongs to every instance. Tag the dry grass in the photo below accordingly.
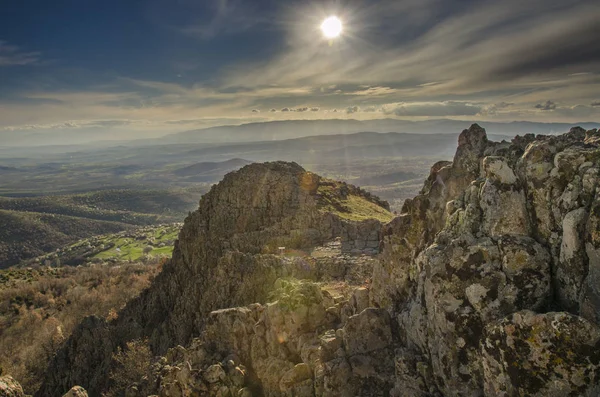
(355, 205)
(39, 310)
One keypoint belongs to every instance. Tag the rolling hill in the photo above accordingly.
(29, 234)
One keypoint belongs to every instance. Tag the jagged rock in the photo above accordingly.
(552, 354)
(368, 331)
(214, 373)
(571, 268)
(93, 345)
(590, 300)
(297, 380)
(223, 258)
(462, 291)
(515, 237)
(76, 391)
(10, 387)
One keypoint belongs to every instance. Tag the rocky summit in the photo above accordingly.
(487, 284)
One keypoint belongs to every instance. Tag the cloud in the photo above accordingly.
(578, 112)
(432, 109)
(454, 50)
(374, 91)
(70, 124)
(255, 111)
(11, 55)
(222, 17)
(494, 108)
(549, 105)
(410, 58)
(371, 109)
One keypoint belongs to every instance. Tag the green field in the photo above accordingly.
(131, 245)
(127, 248)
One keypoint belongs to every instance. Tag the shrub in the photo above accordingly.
(40, 308)
(130, 366)
(292, 293)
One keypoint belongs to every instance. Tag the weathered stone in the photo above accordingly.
(214, 373)
(552, 354)
(368, 331)
(572, 264)
(76, 391)
(10, 387)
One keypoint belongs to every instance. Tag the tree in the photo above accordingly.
(147, 249)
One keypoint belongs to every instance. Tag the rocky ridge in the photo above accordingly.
(227, 255)
(487, 285)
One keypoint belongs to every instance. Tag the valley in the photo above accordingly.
(54, 197)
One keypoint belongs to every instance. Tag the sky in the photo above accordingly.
(147, 68)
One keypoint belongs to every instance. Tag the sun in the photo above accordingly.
(331, 27)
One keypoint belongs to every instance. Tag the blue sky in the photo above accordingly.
(146, 68)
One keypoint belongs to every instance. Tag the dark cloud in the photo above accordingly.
(273, 110)
(352, 109)
(595, 104)
(255, 111)
(578, 46)
(286, 110)
(315, 109)
(549, 105)
(303, 109)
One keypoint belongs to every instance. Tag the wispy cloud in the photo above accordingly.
(484, 46)
(432, 109)
(409, 59)
(374, 91)
(224, 17)
(12, 55)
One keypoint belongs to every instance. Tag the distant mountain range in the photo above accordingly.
(289, 129)
(277, 130)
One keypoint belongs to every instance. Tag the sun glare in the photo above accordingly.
(331, 27)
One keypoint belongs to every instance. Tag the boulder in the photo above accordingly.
(76, 391)
(10, 387)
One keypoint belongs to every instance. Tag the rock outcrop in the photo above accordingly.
(488, 285)
(76, 391)
(502, 232)
(225, 257)
(10, 387)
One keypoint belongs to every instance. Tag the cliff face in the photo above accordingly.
(478, 263)
(488, 284)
